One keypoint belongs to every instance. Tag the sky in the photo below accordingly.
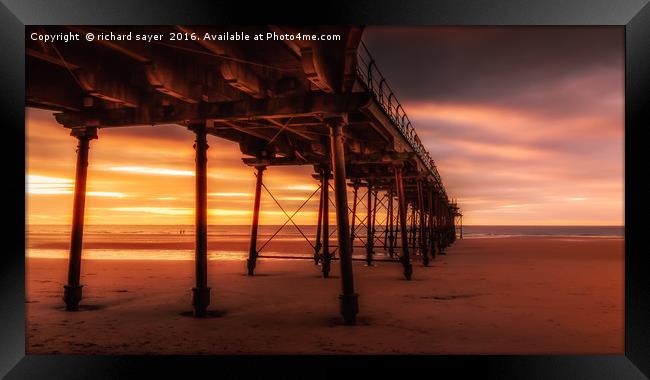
(526, 126)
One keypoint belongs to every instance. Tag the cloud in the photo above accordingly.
(149, 170)
(525, 125)
(231, 195)
(44, 185)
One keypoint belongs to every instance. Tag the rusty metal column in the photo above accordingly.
(201, 292)
(369, 224)
(413, 227)
(405, 259)
(432, 233)
(439, 224)
(354, 215)
(385, 246)
(252, 253)
(461, 226)
(327, 257)
(319, 227)
(443, 227)
(349, 299)
(445, 217)
(374, 218)
(422, 237)
(453, 226)
(391, 238)
(72, 290)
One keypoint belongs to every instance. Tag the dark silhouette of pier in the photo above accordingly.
(286, 102)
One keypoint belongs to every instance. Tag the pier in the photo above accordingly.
(286, 103)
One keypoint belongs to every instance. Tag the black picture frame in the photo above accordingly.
(633, 15)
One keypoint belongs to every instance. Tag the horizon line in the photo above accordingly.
(248, 225)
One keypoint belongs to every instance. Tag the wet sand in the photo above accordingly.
(486, 296)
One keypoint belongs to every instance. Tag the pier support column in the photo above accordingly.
(252, 253)
(413, 227)
(391, 237)
(348, 298)
(401, 199)
(439, 225)
(327, 257)
(319, 225)
(72, 290)
(385, 232)
(201, 292)
(422, 229)
(370, 239)
(431, 229)
(354, 215)
(452, 228)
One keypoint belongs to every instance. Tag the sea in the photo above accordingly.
(231, 242)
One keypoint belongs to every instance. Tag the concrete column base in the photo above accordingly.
(200, 301)
(72, 296)
(349, 307)
(408, 268)
(250, 264)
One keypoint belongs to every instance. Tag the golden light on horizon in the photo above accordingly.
(154, 171)
(38, 184)
(231, 195)
(506, 165)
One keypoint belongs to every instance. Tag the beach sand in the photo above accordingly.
(510, 295)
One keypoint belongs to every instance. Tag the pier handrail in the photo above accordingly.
(376, 84)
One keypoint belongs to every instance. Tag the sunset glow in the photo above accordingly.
(524, 129)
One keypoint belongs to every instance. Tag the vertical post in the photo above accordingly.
(319, 227)
(422, 240)
(201, 292)
(436, 204)
(374, 217)
(369, 224)
(445, 215)
(432, 235)
(391, 237)
(354, 215)
(452, 226)
(386, 224)
(413, 227)
(252, 253)
(398, 228)
(441, 226)
(327, 258)
(405, 259)
(452, 218)
(72, 290)
(349, 299)
(461, 226)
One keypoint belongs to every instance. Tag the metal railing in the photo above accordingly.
(376, 84)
